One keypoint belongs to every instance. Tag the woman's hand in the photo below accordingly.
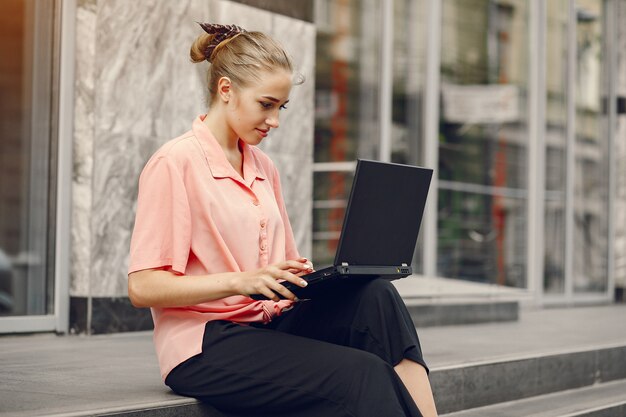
(267, 280)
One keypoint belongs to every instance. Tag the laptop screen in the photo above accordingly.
(384, 214)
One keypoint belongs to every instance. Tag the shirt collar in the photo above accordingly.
(218, 164)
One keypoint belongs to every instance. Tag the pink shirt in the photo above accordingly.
(196, 215)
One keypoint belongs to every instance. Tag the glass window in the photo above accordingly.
(409, 53)
(483, 149)
(409, 42)
(329, 212)
(26, 69)
(591, 175)
(347, 124)
(556, 146)
(346, 80)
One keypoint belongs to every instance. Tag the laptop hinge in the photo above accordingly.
(404, 264)
(344, 264)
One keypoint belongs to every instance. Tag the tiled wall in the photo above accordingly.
(136, 89)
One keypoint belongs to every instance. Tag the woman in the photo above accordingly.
(211, 230)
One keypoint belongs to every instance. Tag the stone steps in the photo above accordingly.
(430, 314)
(602, 400)
(470, 386)
(528, 367)
(590, 382)
(186, 407)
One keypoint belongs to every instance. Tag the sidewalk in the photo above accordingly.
(70, 375)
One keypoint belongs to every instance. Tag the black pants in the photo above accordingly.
(332, 356)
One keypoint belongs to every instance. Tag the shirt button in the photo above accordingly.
(263, 246)
(263, 224)
(255, 202)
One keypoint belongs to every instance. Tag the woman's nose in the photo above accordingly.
(272, 121)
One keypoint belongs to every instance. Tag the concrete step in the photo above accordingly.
(430, 314)
(516, 381)
(601, 400)
(444, 302)
(186, 407)
(462, 387)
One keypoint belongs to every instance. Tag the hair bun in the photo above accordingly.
(219, 33)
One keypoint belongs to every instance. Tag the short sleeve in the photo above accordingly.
(162, 233)
(291, 251)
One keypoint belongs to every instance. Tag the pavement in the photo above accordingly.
(45, 374)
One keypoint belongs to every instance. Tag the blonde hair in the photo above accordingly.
(240, 58)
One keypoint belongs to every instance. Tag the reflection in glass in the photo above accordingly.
(556, 146)
(346, 80)
(591, 174)
(469, 239)
(409, 43)
(409, 53)
(347, 124)
(483, 150)
(329, 207)
(26, 91)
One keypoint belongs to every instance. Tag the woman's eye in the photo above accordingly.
(283, 107)
(266, 105)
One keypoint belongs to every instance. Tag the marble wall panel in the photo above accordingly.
(621, 48)
(297, 179)
(249, 18)
(140, 91)
(148, 92)
(301, 9)
(83, 146)
(620, 144)
(297, 124)
(136, 89)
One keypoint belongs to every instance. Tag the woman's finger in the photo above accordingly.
(300, 266)
(293, 278)
(306, 261)
(300, 272)
(279, 288)
(267, 292)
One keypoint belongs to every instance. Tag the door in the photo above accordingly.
(27, 168)
(577, 254)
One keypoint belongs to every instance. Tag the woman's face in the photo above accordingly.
(254, 110)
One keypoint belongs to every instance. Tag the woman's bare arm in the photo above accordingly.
(160, 288)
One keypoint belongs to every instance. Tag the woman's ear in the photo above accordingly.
(224, 89)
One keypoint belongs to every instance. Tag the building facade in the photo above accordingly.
(518, 105)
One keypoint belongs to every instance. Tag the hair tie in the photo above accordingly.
(221, 33)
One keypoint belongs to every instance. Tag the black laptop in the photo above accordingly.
(379, 230)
